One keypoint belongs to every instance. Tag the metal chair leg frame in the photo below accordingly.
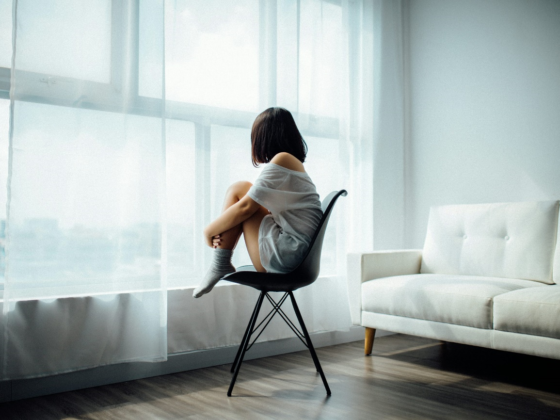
(309, 344)
(266, 319)
(244, 345)
(288, 321)
(243, 341)
(279, 311)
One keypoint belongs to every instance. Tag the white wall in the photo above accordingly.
(388, 125)
(484, 105)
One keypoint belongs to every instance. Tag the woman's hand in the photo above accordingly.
(213, 241)
(231, 217)
(216, 241)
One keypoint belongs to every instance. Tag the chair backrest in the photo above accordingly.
(308, 270)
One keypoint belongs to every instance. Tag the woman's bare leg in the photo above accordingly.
(236, 191)
(226, 241)
(251, 235)
(249, 228)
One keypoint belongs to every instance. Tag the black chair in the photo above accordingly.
(303, 275)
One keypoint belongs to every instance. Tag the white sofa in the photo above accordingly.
(488, 275)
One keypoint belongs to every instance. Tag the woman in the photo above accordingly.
(278, 215)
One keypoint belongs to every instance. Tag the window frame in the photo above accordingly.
(109, 96)
(125, 31)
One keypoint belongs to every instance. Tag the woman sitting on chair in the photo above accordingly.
(278, 215)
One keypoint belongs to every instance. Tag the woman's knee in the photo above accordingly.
(239, 188)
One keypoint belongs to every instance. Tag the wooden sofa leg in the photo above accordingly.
(368, 345)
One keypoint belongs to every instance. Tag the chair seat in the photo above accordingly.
(266, 282)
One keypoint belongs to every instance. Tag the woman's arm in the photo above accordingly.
(233, 216)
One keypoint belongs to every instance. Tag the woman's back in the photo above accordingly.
(295, 213)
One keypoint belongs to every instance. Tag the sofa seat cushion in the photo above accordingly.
(452, 299)
(534, 311)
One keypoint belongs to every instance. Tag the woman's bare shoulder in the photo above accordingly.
(288, 161)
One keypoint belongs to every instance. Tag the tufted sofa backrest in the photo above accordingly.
(512, 240)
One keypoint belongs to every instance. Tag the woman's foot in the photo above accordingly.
(221, 265)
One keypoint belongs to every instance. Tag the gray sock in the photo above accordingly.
(221, 265)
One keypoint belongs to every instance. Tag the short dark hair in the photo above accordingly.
(275, 131)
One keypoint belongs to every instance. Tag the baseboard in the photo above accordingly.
(179, 362)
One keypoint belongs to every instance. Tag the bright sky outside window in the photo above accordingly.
(212, 52)
(182, 233)
(78, 43)
(86, 216)
(150, 47)
(5, 33)
(91, 185)
(319, 76)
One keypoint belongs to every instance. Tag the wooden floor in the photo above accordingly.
(406, 378)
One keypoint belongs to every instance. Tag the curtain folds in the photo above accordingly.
(129, 120)
(86, 198)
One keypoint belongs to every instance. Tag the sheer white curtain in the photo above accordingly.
(113, 173)
(85, 238)
(225, 63)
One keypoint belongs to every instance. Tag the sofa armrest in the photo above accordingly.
(362, 267)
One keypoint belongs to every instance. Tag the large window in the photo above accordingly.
(224, 64)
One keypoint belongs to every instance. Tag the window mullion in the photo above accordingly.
(202, 197)
(267, 53)
(124, 48)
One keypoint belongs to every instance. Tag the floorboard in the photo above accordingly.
(405, 378)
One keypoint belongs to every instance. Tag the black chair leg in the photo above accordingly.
(244, 345)
(309, 344)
